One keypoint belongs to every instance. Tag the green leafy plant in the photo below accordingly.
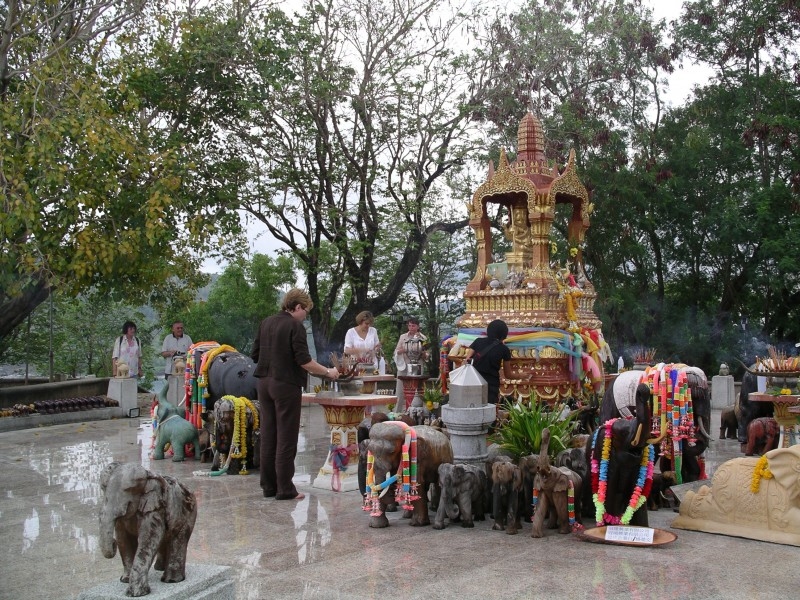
(433, 393)
(521, 435)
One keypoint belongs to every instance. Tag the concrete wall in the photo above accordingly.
(73, 388)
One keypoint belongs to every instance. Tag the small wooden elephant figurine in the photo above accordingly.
(762, 436)
(552, 486)
(463, 489)
(149, 517)
(728, 423)
(506, 491)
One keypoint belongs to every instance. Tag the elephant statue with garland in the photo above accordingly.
(629, 460)
(148, 517)
(618, 400)
(221, 422)
(552, 486)
(506, 494)
(386, 445)
(463, 490)
(174, 430)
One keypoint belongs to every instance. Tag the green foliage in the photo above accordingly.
(83, 334)
(522, 434)
(244, 294)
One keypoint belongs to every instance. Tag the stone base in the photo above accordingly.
(124, 391)
(202, 582)
(468, 428)
(80, 416)
(722, 391)
(348, 480)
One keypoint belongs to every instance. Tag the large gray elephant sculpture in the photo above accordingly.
(148, 516)
(385, 443)
(628, 444)
(618, 400)
(463, 492)
(231, 374)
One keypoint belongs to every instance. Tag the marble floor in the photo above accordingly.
(322, 547)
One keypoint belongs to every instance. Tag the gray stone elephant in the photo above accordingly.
(463, 491)
(552, 486)
(149, 517)
(385, 444)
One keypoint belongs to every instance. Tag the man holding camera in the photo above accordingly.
(175, 345)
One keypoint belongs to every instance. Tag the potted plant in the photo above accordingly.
(521, 434)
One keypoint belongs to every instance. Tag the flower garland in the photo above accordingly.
(600, 481)
(239, 437)
(761, 471)
(406, 477)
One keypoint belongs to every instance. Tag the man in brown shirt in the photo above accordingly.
(280, 352)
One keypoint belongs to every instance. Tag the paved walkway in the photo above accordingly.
(322, 547)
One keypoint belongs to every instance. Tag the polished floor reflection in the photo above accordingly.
(321, 547)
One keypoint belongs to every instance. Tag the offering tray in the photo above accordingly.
(598, 535)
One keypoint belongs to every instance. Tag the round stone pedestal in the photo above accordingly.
(468, 428)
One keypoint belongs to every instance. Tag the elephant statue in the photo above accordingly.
(174, 430)
(658, 497)
(742, 501)
(463, 490)
(728, 424)
(123, 370)
(222, 425)
(231, 374)
(387, 444)
(575, 460)
(747, 410)
(362, 433)
(148, 516)
(506, 492)
(528, 466)
(762, 436)
(552, 487)
(622, 472)
(689, 446)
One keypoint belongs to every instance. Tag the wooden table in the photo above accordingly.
(343, 414)
(786, 418)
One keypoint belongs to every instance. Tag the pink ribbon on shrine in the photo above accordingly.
(340, 457)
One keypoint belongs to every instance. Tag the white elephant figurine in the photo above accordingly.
(730, 507)
(123, 370)
(148, 516)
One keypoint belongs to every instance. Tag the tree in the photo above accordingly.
(244, 294)
(347, 153)
(100, 190)
(83, 332)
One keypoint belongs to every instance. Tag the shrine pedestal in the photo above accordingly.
(468, 428)
(343, 415)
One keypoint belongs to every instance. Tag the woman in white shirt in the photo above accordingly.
(362, 340)
(127, 349)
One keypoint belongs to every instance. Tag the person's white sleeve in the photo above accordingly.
(164, 344)
(115, 351)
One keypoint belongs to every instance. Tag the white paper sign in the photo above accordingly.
(640, 535)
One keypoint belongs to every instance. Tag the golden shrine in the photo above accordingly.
(554, 336)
